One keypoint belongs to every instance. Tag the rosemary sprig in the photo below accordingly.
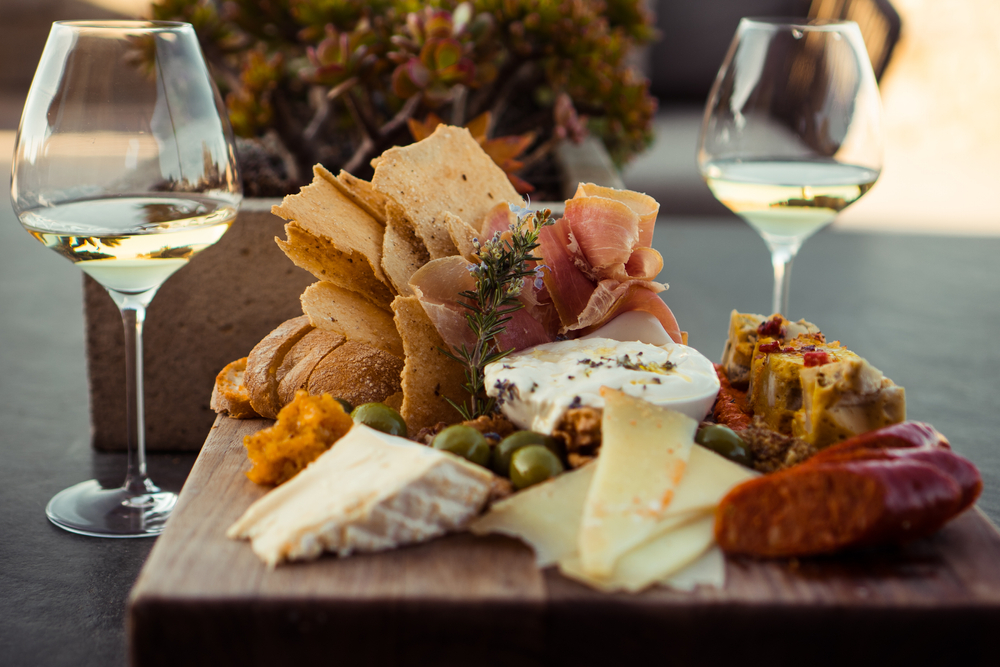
(500, 274)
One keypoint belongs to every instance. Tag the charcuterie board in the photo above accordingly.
(465, 600)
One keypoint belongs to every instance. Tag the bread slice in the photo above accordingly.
(342, 311)
(298, 365)
(261, 376)
(357, 373)
(230, 395)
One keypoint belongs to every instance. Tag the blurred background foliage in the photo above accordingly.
(339, 81)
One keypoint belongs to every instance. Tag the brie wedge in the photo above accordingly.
(537, 385)
(369, 492)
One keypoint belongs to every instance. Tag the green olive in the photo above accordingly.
(500, 461)
(348, 408)
(533, 464)
(464, 441)
(380, 417)
(725, 442)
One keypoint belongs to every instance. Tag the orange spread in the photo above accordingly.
(306, 427)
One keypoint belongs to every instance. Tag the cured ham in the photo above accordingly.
(606, 232)
(599, 262)
(642, 205)
(439, 284)
(596, 263)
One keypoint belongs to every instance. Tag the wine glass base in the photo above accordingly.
(89, 509)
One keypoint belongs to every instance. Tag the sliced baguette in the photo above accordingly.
(342, 311)
(261, 376)
(298, 365)
(230, 395)
(357, 373)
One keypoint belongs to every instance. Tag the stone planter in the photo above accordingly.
(214, 311)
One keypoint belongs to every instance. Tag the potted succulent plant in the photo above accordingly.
(339, 81)
(545, 86)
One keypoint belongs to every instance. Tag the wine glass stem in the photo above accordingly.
(133, 316)
(782, 255)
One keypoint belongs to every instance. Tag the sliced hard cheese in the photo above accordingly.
(660, 558)
(546, 516)
(369, 492)
(644, 453)
(707, 479)
(709, 570)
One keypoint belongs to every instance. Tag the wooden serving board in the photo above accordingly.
(202, 599)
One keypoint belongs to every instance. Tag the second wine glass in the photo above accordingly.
(792, 132)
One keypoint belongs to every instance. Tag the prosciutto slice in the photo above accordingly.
(605, 231)
(596, 263)
(642, 205)
(439, 284)
(599, 262)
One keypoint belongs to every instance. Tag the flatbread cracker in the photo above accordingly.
(462, 235)
(447, 171)
(342, 311)
(428, 375)
(320, 257)
(357, 190)
(403, 251)
(322, 210)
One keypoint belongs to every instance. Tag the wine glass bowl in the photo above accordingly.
(792, 131)
(124, 164)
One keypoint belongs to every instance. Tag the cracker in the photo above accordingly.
(447, 171)
(462, 235)
(429, 376)
(320, 257)
(404, 252)
(295, 369)
(323, 211)
(357, 373)
(357, 190)
(342, 311)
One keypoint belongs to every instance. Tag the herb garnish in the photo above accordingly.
(500, 274)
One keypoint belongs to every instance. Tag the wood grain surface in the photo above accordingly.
(202, 599)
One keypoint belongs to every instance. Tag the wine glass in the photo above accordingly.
(792, 131)
(124, 165)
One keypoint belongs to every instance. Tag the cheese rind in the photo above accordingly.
(369, 492)
(644, 454)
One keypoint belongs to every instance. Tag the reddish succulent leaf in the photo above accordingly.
(506, 148)
(422, 130)
(478, 126)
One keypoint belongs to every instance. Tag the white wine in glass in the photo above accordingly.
(124, 165)
(792, 132)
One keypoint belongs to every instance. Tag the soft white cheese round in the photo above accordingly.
(537, 385)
